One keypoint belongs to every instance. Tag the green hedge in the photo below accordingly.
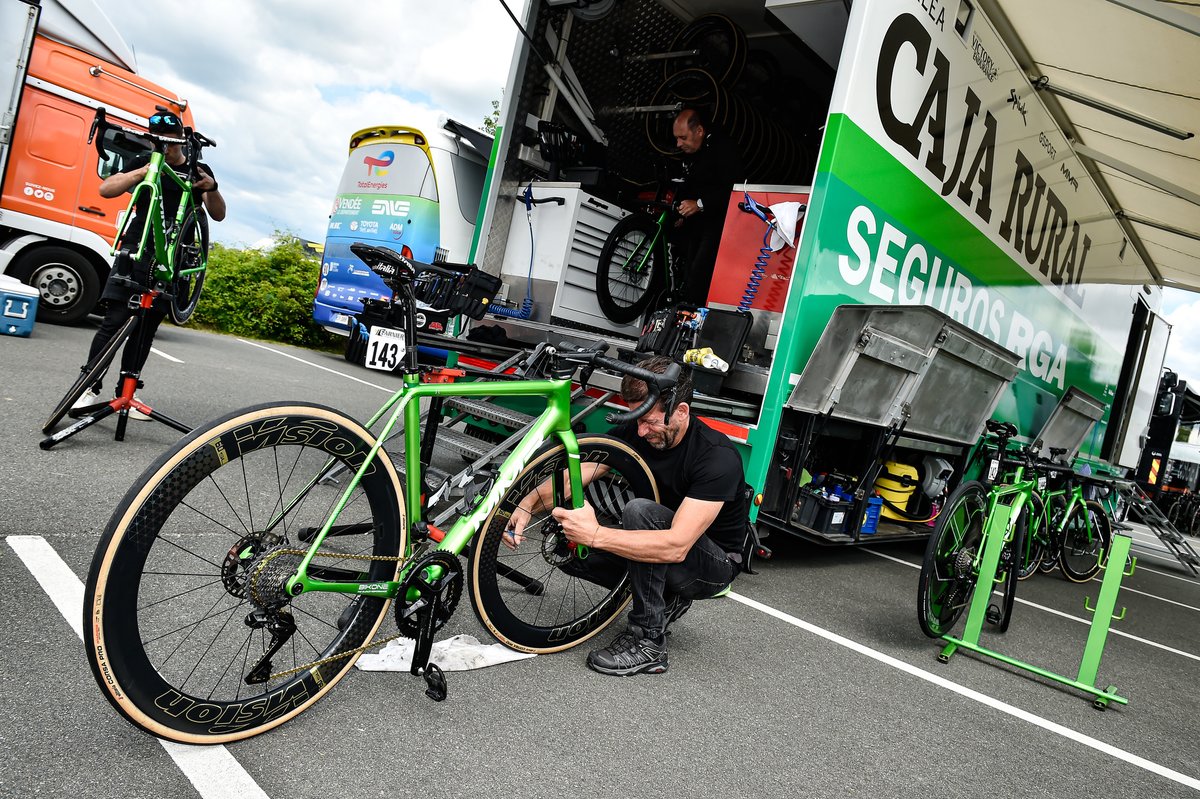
(264, 294)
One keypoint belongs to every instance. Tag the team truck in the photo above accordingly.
(64, 59)
(936, 252)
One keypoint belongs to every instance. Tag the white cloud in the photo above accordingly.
(282, 84)
(1183, 352)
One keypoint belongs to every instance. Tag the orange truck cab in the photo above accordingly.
(56, 231)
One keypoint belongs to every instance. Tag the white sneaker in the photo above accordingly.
(137, 415)
(86, 400)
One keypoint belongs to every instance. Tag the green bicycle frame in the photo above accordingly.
(154, 224)
(554, 421)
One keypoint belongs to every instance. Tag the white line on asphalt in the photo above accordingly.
(1088, 622)
(317, 366)
(171, 358)
(974, 695)
(1168, 574)
(211, 769)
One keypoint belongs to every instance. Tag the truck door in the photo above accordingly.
(18, 23)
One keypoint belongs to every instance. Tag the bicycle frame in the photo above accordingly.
(154, 224)
(554, 421)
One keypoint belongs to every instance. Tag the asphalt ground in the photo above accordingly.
(813, 678)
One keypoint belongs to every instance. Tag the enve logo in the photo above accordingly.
(378, 166)
(389, 207)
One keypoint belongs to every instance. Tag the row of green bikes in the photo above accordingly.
(1057, 520)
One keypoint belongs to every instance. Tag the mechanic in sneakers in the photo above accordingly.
(116, 294)
(687, 548)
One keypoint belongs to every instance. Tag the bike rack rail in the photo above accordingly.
(1102, 617)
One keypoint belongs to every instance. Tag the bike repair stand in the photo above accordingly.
(124, 401)
(1101, 618)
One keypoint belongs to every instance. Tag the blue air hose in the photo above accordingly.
(526, 309)
(759, 270)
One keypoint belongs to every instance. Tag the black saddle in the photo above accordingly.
(394, 268)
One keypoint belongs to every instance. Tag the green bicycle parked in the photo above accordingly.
(245, 571)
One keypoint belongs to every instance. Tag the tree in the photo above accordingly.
(493, 119)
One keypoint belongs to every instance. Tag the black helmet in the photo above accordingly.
(165, 123)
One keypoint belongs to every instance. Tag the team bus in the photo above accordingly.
(414, 191)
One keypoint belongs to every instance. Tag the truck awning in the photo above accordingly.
(1120, 77)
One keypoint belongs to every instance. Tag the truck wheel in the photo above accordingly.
(67, 283)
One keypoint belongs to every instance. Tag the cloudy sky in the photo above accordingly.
(282, 84)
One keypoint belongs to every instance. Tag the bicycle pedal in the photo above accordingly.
(993, 614)
(435, 679)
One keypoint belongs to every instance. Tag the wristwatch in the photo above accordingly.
(700, 204)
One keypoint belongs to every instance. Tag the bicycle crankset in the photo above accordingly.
(438, 596)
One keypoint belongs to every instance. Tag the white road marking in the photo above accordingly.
(1088, 622)
(1003, 707)
(212, 770)
(171, 358)
(317, 366)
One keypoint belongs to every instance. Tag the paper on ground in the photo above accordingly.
(457, 653)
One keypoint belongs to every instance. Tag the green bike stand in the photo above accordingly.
(1101, 619)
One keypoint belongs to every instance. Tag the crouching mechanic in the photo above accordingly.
(689, 547)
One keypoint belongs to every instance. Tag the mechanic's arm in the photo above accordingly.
(118, 183)
(214, 203)
(541, 498)
(646, 546)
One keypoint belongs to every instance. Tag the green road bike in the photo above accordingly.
(1068, 531)
(177, 248)
(245, 571)
(954, 554)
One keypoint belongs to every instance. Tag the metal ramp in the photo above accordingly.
(1138, 506)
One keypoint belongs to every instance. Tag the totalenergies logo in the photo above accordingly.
(378, 166)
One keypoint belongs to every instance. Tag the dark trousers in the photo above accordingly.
(697, 249)
(137, 349)
(705, 571)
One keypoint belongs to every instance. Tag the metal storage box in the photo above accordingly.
(874, 363)
(1069, 424)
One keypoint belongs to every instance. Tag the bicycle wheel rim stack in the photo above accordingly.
(769, 151)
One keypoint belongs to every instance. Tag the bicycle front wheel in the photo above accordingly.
(186, 624)
(543, 597)
(948, 572)
(629, 272)
(1085, 534)
(1035, 529)
(190, 251)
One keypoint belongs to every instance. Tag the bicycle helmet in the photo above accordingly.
(165, 123)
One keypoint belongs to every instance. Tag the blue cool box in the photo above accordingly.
(18, 307)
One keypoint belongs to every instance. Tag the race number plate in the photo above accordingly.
(993, 469)
(1041, 483)
(385, 349)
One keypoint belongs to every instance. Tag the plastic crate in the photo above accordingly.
(822, 514)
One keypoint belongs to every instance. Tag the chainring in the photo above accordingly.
(448, 586)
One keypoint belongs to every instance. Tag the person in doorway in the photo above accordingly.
(689, 547)
(712, 167)
(118, 293)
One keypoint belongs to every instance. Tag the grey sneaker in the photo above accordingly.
(629, 654)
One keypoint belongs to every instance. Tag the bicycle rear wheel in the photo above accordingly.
(90, 374)
(185, 597)
(190, 251)
(948, 573)
(630, 271)
(542, 597)
(1086, 533)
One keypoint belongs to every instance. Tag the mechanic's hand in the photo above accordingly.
(204, 183)
(514, 532)
(688, 208)
(579, 525)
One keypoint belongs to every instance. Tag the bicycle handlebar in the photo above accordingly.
(656, 384)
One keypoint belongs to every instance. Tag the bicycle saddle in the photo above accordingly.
(394, 268)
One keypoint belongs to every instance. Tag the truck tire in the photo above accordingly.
(66, 281)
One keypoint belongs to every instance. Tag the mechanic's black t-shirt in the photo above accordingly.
(703, 465)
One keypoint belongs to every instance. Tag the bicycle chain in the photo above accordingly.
(348, 653)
